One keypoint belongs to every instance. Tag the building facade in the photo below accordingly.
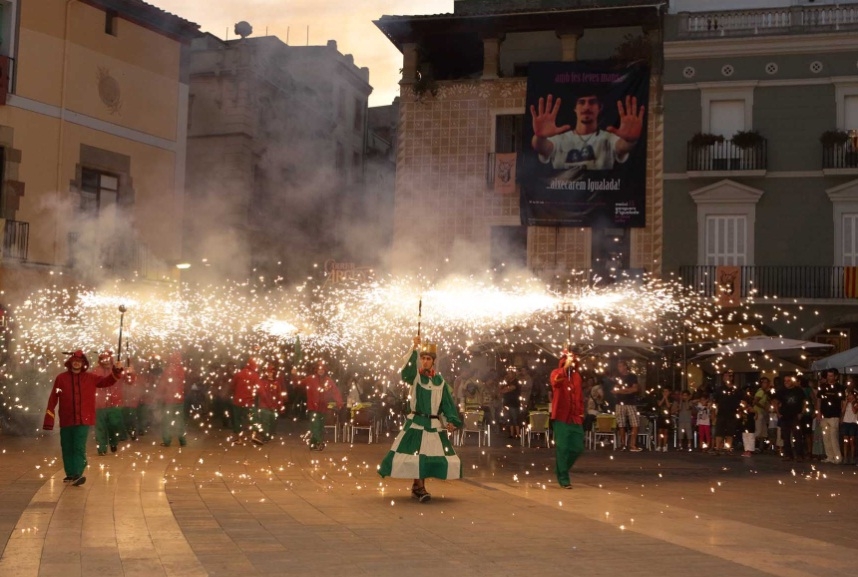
(463, 103)
(92, 135)
(277, 140)
(760, 161)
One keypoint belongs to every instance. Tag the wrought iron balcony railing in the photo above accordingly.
(725, 155)
(782, 282)
(16, 238)
(840, 155)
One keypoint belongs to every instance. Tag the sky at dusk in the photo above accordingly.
(349, 22)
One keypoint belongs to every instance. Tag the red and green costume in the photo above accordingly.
(567, 412)
(75, 395)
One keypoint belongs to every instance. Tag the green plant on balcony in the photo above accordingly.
(746, 139)
(706, 139)
(834, 138)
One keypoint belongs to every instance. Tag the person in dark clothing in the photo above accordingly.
(790, 404)
(510, 389)
(728, 413)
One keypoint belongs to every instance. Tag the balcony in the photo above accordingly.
(781, 282)
(836, 155)
(16, 238)
(726, 156)
(763, 21)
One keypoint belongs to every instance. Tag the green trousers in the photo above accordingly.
(73, 443)
(243, 419)
(173, 423)
(267, 422)
(109, 428)
(317, 427)
(569, 444)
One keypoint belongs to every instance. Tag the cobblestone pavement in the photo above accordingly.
(221, 510)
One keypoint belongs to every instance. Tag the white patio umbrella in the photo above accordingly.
(776, 346)
(846, 361)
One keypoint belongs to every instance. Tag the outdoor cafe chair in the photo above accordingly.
(361, 420)
(538, 423)
(474, 422)
(605, 428)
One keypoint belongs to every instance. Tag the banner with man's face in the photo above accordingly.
(584, 155)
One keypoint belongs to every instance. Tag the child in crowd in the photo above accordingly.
(775, 441)
(704, 427)
(682, 409)
(665, 420)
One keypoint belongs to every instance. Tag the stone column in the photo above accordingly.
(491, 57)
(569, 43)
(409, 63)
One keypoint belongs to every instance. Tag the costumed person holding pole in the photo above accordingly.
(321, 390)
(74, 390)
(422, 448)
(109, 424)
(171, 392)
(567, 412)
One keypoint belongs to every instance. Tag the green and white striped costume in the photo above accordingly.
(422, 448)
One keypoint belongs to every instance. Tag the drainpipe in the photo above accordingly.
(61, 137)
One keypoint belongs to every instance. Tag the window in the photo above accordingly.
(726, 212)
(726, 240)
(727, 110)
(508, 131)
(99, 192)
(726, 117)
(846, 99)
(850, 239)
(110, 22)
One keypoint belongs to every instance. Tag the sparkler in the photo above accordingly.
(419, 315)
(122, 309)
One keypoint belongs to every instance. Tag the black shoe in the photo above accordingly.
(67, 479)
(255, 440)
(421, 494)
(112, 448)
(102, 453)
(79, 481)
(165, 444)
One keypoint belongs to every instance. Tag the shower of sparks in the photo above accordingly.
(365, 328)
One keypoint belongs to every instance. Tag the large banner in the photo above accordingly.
(584, 157)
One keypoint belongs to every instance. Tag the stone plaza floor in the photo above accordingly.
(240, 511)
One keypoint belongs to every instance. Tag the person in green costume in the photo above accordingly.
(422, 448)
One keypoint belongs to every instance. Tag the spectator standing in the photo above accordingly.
(829, 403)
(728, 413)
(703, 407)
(74, 391)
(664, 419)
(762, 404)
(627, 393)
(850, 427)
(510, 390)
(683, 410)
(790, 403)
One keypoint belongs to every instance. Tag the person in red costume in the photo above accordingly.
(74, 391)
(245, 389)
(321, 390)
(272, 398)
(567, 412)
(171, 393)
(109, 425)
